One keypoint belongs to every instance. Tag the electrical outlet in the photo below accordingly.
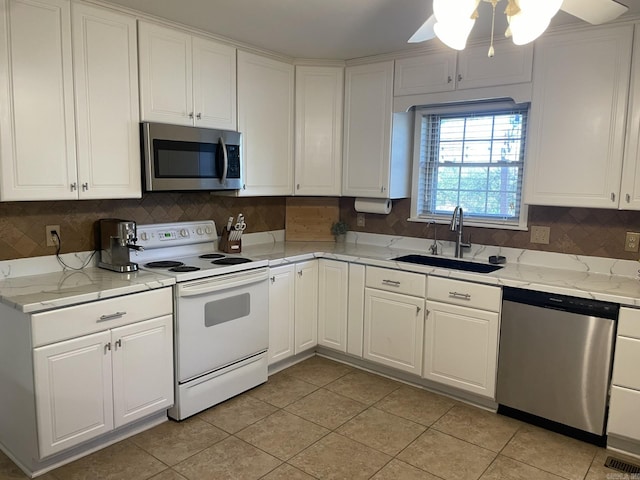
(52, 240)
(632, 242)
(360, 220)
(540, 234)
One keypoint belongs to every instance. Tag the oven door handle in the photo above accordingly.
(224, 282)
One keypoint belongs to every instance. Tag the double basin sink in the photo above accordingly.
(450, 263)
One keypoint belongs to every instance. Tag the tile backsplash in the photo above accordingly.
(22, 224)
(576, 231)
(579, 231)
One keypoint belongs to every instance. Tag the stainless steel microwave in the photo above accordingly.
(178, 158)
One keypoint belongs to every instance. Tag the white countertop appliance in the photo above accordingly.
(221, 319)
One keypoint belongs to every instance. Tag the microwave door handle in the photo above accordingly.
(225, 165)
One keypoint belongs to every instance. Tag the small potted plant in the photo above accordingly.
(339, 230)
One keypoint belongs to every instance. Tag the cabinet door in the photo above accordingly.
(577, 121)
(461, 348)
(142, 369)
(281, 313)
(214, 84)
(318, 156)
(106, 83)
(73, 391)
(37, 130)
(166, 83)
(333, 298)
(265, 118)
(630, 188)
(367, 142)
(306, 306)
(623, 413)
(425, 74)
(393, 329)
(511, 64)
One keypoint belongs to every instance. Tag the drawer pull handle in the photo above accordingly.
(391, 283)
(463, 296)
(113, 316)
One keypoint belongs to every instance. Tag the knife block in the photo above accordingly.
(229, 246)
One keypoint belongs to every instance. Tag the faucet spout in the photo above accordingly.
(457, 222)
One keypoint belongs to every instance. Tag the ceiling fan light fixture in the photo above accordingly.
(532, 19)
(454, 35)
(453, 11)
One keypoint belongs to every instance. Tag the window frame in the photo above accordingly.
(472, 109)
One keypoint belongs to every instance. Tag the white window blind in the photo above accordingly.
(472, 157)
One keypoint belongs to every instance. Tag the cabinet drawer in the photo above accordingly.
(467, 294)
(629, 323)
(64, 323)
(623, 413)
(396, 281)
(625, 365)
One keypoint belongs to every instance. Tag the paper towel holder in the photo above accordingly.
(381, 206)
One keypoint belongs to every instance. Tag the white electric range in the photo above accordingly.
(221, 323)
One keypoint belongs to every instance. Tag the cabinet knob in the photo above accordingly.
(299, 273)
(199, 116)
(298, 186)
(627, 197)
(613, 197)
(191, 115)
(107, 347)
(273, 279)
(74, 186)
(418, 310)
(449, 79)
(85, 186)
(459, 77)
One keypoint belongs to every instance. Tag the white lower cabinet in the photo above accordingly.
(293, 309)
(90, 385)
(461, 335)
(623, 420)
(333, 299)
(394, 318)
(281, 312)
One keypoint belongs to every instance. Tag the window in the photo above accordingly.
(471, 156)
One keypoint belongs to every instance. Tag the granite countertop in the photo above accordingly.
(35, 293)
(587, 277)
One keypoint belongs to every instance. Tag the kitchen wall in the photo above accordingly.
(579, 231)
(22, 224)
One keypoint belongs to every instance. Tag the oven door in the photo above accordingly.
(220, 321)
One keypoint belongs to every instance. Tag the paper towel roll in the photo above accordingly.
(373, 205)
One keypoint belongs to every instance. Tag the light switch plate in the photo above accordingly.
(540, 234)
(360, 220)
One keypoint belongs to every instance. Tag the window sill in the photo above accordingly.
(470, 223)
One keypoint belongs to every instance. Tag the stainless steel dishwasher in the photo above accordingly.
(555, 359)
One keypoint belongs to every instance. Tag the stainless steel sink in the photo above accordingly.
(451, 263)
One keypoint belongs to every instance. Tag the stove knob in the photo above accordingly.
(199, 231)
(144, 237)
(184, 233)
(208, 230)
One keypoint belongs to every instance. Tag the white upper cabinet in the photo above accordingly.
(371, 166)
(630, 188)
(186, 80)
(577, 121)
(470, 68)
(107, 115)
(38, 138)
(265, 119)
(37, 126)
(318, 138)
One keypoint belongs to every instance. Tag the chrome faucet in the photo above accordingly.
(456, 225)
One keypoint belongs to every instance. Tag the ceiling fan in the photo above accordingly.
(453, 20)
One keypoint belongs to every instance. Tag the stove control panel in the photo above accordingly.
(159, 235)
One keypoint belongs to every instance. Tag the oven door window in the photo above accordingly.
(227, 309)
(175, 159)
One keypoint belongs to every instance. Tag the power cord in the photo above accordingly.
(58, 242)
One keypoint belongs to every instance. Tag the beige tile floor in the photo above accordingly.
(322, 419)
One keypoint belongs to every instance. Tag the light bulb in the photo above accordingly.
(532, 20)
(451, 11)
(454, 34)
